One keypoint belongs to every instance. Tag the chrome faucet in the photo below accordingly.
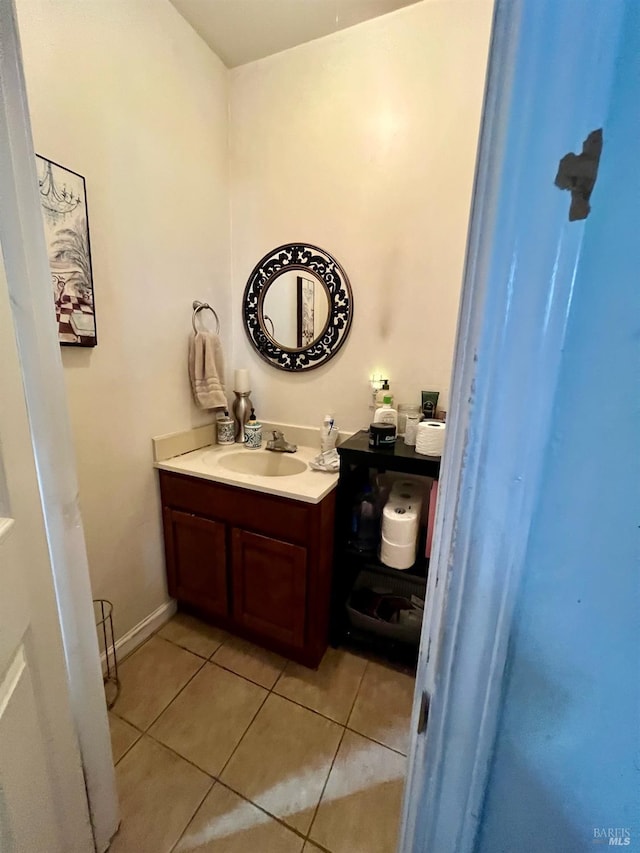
(280, 444)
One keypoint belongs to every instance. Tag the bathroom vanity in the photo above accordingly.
(252, 552)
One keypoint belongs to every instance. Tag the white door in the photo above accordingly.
(43, 804)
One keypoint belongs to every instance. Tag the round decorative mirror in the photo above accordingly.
(297, 307)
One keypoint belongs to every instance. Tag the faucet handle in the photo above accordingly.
(277, 435)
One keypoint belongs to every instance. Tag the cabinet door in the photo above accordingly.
(196, 560)
(269, 587)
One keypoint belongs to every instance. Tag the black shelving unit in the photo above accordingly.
(402, 458)
(357, 460)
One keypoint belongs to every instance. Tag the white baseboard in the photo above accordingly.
(139, 633)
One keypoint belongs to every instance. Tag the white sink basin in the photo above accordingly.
(262, 463)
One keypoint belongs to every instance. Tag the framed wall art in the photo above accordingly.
(63, 198)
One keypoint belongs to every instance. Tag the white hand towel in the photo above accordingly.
(206, 370)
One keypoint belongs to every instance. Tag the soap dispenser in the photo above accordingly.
(226, 429)
(382, 393)
(253, 432)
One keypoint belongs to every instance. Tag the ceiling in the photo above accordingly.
(240, 31)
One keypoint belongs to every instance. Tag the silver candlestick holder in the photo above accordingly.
(241, 410)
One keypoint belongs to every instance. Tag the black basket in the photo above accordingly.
(396, 584)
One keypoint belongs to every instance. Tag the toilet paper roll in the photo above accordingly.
(430, 438)
(397, 556)
(407, 490)
(400, 524)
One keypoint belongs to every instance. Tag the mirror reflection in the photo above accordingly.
(295, 309)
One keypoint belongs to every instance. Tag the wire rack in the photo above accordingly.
(103, 611)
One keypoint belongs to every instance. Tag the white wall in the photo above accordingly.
(129, 96)
(364, 143)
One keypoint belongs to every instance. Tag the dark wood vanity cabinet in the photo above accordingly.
(257, 565)
(197, 568)
(269, 587)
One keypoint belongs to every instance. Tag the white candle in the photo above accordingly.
(241, 380)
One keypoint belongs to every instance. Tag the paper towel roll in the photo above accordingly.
(400, 523)
(397, 556)
(430, 438)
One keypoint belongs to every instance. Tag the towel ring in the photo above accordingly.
(267, 319)
(200, 306)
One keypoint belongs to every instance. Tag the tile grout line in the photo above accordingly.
(171, 701)
(204, 661)
(257, 684)
(141, 734)
(216, 778)
(246, 677)
(379, 742)
(239, 675)
(129, 748)
(324, 787)
(197, 809)
(355, 699)
(179, 755)
(251, 722)
(293, 702)
(272, 689)
(307, 708)
(312, 710)
(157, 717)
(184, 758)
(344, 731)
(263, 810)
(137, 648)
(180, 645)
(270, 693)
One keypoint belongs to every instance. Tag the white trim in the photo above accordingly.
(521, 261)
(29, 284)
(139, 633)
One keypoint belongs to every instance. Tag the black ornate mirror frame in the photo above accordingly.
(299, 256)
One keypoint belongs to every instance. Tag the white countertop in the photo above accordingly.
(308, 486)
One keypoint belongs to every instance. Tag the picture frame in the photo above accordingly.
(63, 199)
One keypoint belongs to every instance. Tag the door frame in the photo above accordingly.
(548, 85)
(29, 283)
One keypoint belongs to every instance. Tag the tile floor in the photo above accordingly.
(223, 747)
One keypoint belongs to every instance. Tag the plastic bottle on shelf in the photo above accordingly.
(365, 520)
(386, 414)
